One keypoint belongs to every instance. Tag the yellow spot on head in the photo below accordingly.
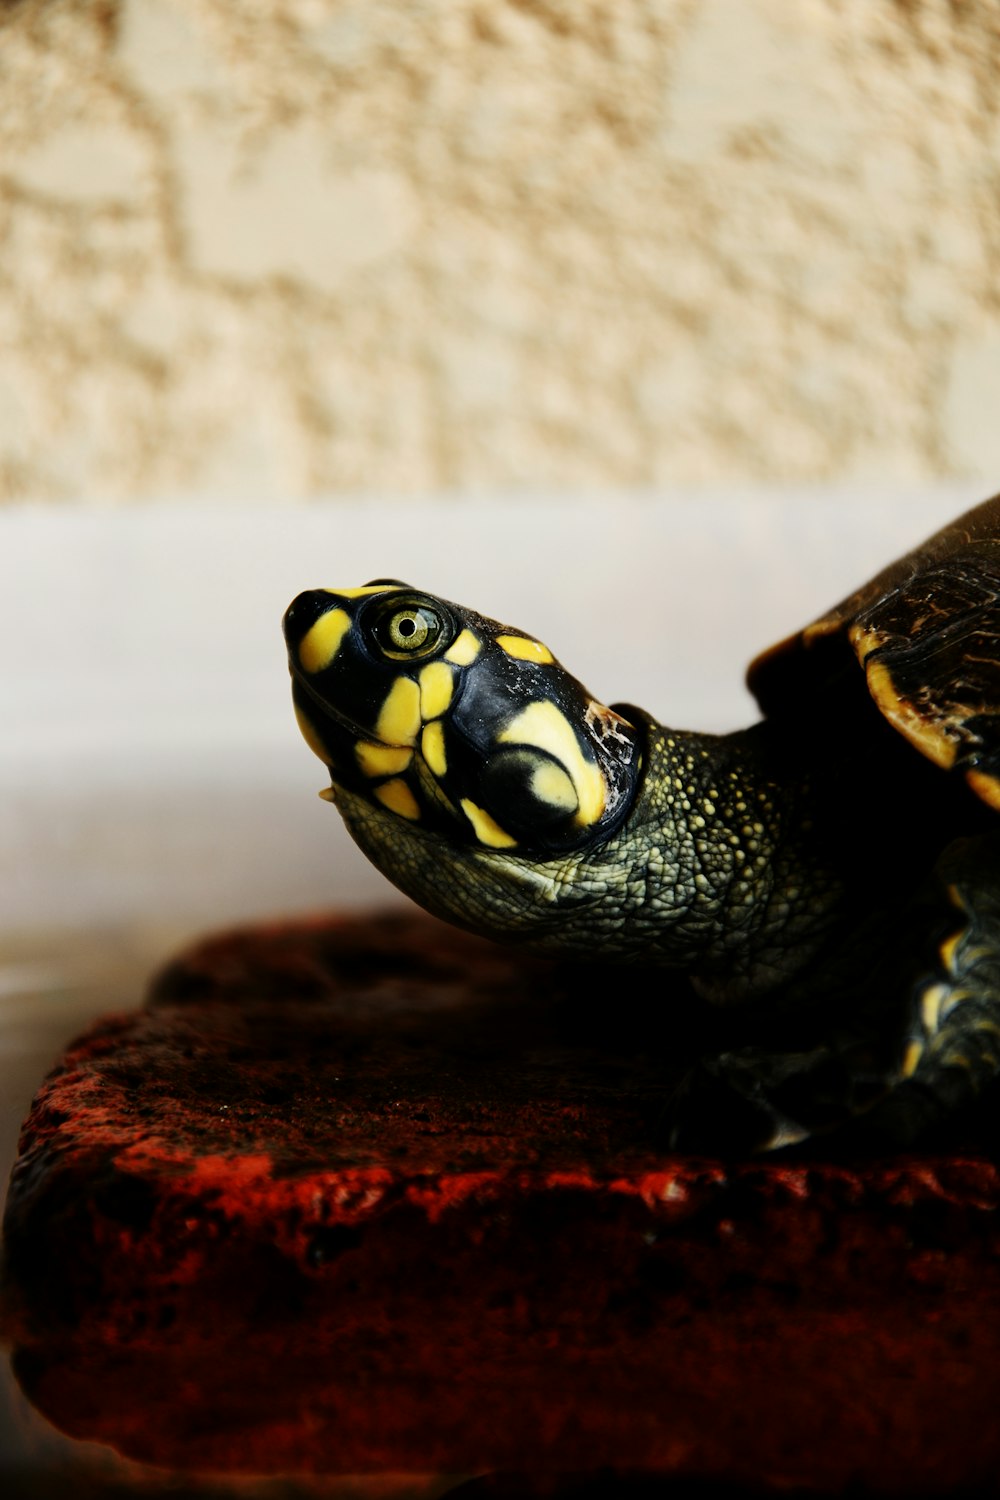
(321, 641)
(381, 760)
(432, 747)
(551, 784)
(398, 722)
(546, 727)
(310, 734)
(524, 649)
(464, 649)
(328, 794)
(436, 686)
(397, 797)
(487, 831)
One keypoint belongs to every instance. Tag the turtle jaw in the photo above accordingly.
(494, 892)
(329, 733)
(335, 738)
(306, 698)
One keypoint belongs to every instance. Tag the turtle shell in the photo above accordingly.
(927, 632)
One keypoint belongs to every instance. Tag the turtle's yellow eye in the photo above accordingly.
(408, 629)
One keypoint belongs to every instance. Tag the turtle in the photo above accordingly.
(827, 879)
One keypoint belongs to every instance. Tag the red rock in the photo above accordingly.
(374, 1196)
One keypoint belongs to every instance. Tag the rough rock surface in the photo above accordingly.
(374, 1196)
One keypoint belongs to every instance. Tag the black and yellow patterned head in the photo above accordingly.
(455, 723)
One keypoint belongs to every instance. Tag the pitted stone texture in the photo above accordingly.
(369, 1196)
(495, 243)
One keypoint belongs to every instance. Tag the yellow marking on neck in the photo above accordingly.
(524, 649)
(397, 797)
(551, 784)
(398, 722)
(369, 588)
(486, 829)
(432, 747)
(310, 734)
(437, 684)
(546, 727)
(321, 641)
(464, 649)
(381, 760)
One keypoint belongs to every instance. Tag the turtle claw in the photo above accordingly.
(722, 1108)
(753, 1100)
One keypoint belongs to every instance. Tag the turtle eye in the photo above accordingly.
(408, 629)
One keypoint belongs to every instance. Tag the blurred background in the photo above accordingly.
(651, 327)
(307, 248)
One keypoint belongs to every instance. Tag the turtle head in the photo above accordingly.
(453, 724)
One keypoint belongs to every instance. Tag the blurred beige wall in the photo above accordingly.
(269, 250)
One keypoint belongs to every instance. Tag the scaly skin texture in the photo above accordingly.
(712, 871)
(773, 895)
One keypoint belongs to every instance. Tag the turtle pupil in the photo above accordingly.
(410, 630)
(414, 630)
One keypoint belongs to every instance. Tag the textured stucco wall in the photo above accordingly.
(277, 249)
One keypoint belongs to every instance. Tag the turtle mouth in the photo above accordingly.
(324, 707)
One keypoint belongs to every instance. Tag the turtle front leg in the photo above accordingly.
(897, 1074)
(951, 1055)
